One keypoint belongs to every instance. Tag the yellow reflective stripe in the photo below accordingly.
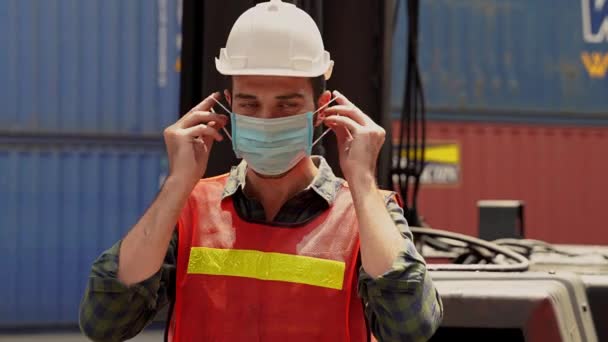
(267, 266)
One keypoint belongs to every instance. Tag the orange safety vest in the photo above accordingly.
(241, 281)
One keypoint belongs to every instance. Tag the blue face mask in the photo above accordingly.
(273, 146)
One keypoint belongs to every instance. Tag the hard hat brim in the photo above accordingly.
(224, 69)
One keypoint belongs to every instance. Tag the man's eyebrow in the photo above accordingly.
(289, 96)
(245, 96)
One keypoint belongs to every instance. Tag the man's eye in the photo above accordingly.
(249, 105)
(288, 105)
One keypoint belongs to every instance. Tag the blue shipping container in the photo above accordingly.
(60, 207)
(95, 66)
(496, 57)
(86, 88)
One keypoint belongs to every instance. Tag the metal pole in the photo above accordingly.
(386, 120)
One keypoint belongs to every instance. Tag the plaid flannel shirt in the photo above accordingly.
(401, 305)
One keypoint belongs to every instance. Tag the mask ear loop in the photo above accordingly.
(226, 109)
(327, 130)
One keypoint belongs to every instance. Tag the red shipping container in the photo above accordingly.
(560, 172)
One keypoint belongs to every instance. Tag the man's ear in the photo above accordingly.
(228, 97)
(323, 99)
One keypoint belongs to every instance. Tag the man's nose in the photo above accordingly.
(265, 113)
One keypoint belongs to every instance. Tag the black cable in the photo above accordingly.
(419, 110)
(542, 247)
(403, 176)
(421, 159)
(520, 264)
(472, 254)
(413, 79)
(409, 160)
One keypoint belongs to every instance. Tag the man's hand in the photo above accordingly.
(189, 142)
(190, 139)
(359, 139)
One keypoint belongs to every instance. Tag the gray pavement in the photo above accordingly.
(146, 336)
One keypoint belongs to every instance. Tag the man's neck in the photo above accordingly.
(274, 192)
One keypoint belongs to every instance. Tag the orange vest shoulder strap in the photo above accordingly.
(392, 194)
(216, 179)
(209, 189)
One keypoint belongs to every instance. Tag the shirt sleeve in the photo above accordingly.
(402, 304)
(112, 311)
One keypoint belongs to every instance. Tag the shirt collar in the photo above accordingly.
(325, 183)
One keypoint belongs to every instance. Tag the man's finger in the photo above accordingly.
(200, 144)
(342, 121)
(203, 130)
(343, 100)
(198, 117)
(343, 135)
(349, 111)
(207, 103)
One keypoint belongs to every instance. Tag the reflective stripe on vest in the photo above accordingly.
(267, 266)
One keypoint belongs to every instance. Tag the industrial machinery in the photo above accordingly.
(509, 289)
(517, 290)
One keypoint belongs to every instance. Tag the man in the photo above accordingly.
(279, 249)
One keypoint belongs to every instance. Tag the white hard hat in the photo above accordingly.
(275, 39)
